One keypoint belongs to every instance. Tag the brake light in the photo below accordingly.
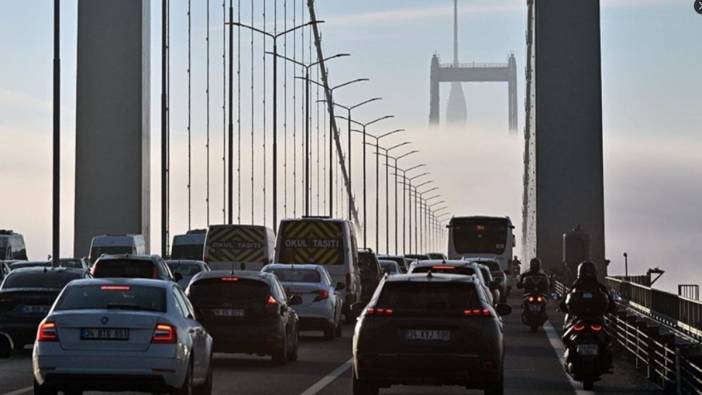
(115, 288)
(271, 300)
(164, 334)
(485, 312)
(379, 311)
(323, 294)
(596, 327)
(230, 279)
(47, 332)
(579, 327)
(443, 267)
(540, 299)
(531, 299)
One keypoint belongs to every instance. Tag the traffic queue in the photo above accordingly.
(126, 321)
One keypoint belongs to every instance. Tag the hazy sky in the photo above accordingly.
(651, 58)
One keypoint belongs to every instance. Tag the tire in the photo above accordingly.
(206, 387)
(338, 329)
(292, 351)
(363, 387)
(496, 388)
(280, 356)
(329, 332)
(43, 389)
(187, 388)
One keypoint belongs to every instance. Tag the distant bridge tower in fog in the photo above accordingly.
(456, 110)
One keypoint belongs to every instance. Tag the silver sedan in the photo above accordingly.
(322, 301)
(122, 335)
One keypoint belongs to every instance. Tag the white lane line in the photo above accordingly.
(328, 379)
(20, 391)
(555, 339)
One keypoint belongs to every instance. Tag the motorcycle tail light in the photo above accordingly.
(579, 327)
(540, 299)
(596, 327)
(531, 299)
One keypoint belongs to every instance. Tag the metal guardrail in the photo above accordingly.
(663, 361)
(474, 65)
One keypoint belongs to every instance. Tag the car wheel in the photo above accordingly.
(187, 388)
(206, 387)
(363, 387)
(292, 351)
(329, 331)
(43, 389)
(338, 329)
(497, 388)
(280, 355)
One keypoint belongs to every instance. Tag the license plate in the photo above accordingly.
(587, 349)
(35, 309)
(429, 335)
(535, 308)
(228, 312)
(104, 334)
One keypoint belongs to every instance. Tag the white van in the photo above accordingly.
(238, 247)
(116, 244)
(328, 242)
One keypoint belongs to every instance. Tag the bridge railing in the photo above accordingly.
(664, 359)
(474, 65)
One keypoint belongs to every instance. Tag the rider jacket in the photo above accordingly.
(587, 299)
(534, 282)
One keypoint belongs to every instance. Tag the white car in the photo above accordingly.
(322, 302)
(122, 335)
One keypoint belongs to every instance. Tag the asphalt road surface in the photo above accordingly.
(532, 366)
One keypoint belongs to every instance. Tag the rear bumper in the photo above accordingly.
(472, 371)
(316, 323)
(115, 372)
(250, 339)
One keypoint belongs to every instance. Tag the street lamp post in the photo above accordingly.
(275, 38)
(349, 121)
(418, 210)
(387, 195)
(395, 173)
(408, 188)
(307, 68)
(377, 175)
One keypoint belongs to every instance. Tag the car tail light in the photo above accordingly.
(323, 294)
(114, 288)
(443, 267)
(579, 327)
(596, 327)
(47, 332)
(271, 301)
(485, 312)
(379, 311)
(164, 334)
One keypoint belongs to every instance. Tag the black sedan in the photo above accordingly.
(26, 295)
(429, 329)
(247, 312)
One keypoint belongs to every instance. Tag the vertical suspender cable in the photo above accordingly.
(164, 126)
(230, 125)
(252, 117)
(285, 111)
(190, 194)
(318, 135)
(303, 141)
(263, 75)
(207, 98)
(224, 111)
(56, 201)
(294, 105)
(238, 113)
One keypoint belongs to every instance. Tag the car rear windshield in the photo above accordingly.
(296, 275)
(185, 269)
(123, 268)
(187, 251)
(389, 267)
(418, 257)
(39, 279)
(439, 296)
(368, 262)
(113, 296)
(228, 290)
(462, 270)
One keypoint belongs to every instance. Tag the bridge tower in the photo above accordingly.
(112, 120)
(563, 178)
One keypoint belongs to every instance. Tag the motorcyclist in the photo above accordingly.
(534, 280)
(590, 300)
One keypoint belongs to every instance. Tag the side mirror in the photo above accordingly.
(178, 277)
(5, 346)
(340, 286)
(503, 309)
(295, 300)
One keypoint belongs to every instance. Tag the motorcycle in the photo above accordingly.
(534, 310)
(586, 351)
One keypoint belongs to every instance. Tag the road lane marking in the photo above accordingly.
(328, 379)
(20, 391)
(555, 339)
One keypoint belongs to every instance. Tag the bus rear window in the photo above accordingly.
(479, 237)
